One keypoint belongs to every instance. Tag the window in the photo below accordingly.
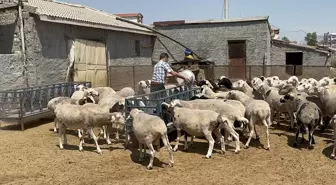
(294, 63)
(137, 48)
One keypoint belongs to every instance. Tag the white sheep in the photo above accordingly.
(125, 92)
(148, 129)
(293, 80)
(207, 91)
(197, 123)
(255, 110)
(226, 110)
(64, 100)
(82, 117)
(333, 123)
(143, 87)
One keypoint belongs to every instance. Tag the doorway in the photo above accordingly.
(294, 61)
(237, 59)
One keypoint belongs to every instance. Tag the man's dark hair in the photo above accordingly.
(163, 55)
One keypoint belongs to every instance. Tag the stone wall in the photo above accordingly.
(10, 40)
(11, 72)
(209, 40)
(311, 57)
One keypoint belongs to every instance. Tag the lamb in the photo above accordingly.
(255, 110)
(224, 82)
(189, 75)
(147, 129)
(197, 123)
(333, 123)
(308, 116)
(82, 117)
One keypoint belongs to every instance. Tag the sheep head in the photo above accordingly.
(255, 82)
(134, 112)
(118, 107)
(92, 92)
(204, 82)
(80, 87)
(117, 117)
(286, 98)
(239, 85)
(143, 84)
(223, 81)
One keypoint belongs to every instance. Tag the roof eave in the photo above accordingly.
(86, 24)
(6, 6)
(298, 46)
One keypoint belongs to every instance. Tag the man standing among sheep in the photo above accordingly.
(160, 72)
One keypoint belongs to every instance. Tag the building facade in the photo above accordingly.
(57, 42)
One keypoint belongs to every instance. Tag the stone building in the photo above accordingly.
(61, 37)
(240, 48)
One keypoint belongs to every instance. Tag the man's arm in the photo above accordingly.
(172, 72)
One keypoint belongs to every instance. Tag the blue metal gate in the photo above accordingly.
(151, 103)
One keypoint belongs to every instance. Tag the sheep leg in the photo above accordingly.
(55, 127)
(229, 136)
(65, 140)
(152, 153)
(211, 141)
(256, 134)
(267, 135)
(291, 118)
(278, 118)
(165, 141)
(141, 156)
(108, 141)
(186, 141)
(192, 140)
(221, 138)
(60, 135)
(117, 133)
(178, 130)
(251, 128)
(296, 136)
(311, 138)
(95, 140)
(334, 149)
(101, 133)
(81, 141)
(79, 133)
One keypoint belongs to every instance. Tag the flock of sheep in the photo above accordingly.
(225, 105)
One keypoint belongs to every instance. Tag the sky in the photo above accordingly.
(293, 17)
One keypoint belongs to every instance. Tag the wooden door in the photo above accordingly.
(90, 62)
(237, 59)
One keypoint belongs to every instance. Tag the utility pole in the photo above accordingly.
(226, 4)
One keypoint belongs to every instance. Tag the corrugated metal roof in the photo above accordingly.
(80, 13)
(300, 46)
(7, 5)
(129, 14)
(231, 20)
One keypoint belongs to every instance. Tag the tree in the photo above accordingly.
(311, 39)
(285, 39)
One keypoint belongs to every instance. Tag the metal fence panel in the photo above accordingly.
(20, 103)
(154, 100)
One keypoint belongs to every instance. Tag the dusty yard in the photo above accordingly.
(33, 157)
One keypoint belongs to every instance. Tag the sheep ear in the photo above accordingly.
(164, 105)
(92, 99)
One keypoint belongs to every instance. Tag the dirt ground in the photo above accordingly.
(33, 157)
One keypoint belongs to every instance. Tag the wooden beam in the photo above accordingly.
(155, 31)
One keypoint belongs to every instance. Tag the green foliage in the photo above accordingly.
(285, 39)
(311, 39)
